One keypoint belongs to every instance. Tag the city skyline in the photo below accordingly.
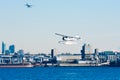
(32, 29)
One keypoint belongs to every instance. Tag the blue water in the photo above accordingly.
(60, 73)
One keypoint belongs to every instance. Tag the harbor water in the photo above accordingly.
(60, 73)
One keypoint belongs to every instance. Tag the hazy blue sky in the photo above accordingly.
(32, 29)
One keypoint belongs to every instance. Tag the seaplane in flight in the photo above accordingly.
(68, 39)
(28, 5)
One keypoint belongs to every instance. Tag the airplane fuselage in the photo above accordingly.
(68, 39)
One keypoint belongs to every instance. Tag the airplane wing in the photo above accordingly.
(64, 35)
(76, 37)
(60, 35)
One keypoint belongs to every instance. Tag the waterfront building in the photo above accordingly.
(28, 57)
(21, 52)
(3, 48)
(16, 58)
(12, 48)
(10, 59)
(118, 56)
(68, 58)
(107, 56)
(5, 59)
(86, 52)
(39, 58)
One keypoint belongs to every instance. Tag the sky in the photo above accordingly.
(33, 29)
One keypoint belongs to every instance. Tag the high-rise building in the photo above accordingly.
(83, 52)
(11, 48)
(96, 51)
(3, 48)
(86, 52)
(52, 53)
(96, 56)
